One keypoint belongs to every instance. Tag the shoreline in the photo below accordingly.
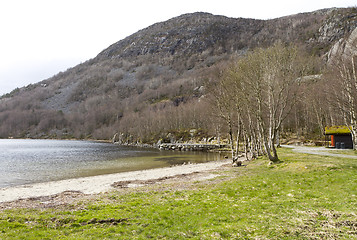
(102, 183)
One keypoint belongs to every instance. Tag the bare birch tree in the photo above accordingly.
(343, 79)
(222, 97)
(263, 86)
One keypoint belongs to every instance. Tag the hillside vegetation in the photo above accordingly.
(159, 80)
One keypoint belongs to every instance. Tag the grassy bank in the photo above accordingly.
(305, 197)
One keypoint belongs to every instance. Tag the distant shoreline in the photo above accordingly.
(102, 183)
(195, 146)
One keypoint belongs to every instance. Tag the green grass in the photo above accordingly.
(344, 151)
(305, 197)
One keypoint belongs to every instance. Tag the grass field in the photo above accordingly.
(304, 197)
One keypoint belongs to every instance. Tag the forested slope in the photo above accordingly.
(157, 80)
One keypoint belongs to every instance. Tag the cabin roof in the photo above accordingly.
(337, 130)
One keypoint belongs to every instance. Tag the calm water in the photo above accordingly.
(33, 161)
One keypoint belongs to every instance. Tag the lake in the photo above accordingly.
(24, 161)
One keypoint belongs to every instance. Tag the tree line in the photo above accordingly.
(271, 92)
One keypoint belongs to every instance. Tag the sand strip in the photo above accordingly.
(102, 183)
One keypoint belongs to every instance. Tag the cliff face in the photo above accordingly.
(161, 66)
(344, 47)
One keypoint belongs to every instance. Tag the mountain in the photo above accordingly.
(153, 81)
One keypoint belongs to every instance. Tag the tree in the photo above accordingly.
(262, 87)
(228, 105)
(343, 82)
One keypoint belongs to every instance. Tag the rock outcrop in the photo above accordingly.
(345, 47)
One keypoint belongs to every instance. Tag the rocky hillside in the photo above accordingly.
(153, 80)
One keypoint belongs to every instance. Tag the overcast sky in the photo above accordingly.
(40, 38)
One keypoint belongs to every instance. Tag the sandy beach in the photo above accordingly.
(102, 183)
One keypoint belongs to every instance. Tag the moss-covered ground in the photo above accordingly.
(304, 197)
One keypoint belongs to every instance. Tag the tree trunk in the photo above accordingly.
(278, 139)
(231, 140)
(273, 157)
(275, 154)
(353, 130)
(238, 135)
(270, 151)
(245, 140)
(354, 137)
